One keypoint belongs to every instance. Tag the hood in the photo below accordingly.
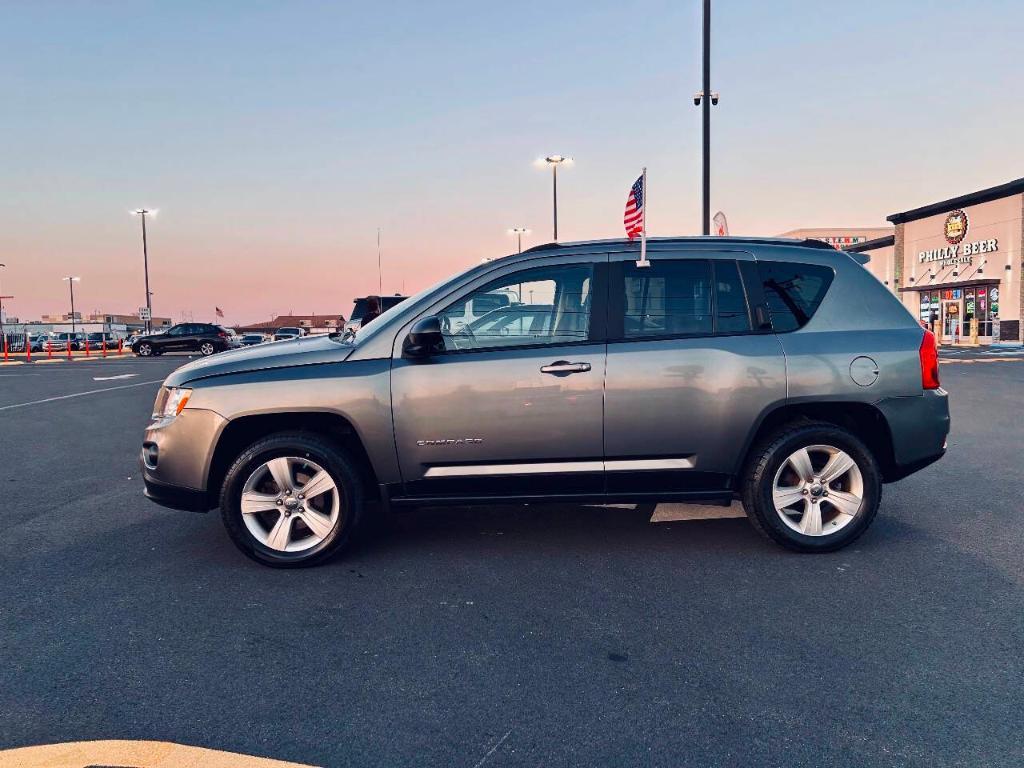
(278, 354)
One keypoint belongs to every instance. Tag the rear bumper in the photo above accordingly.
(919, 427)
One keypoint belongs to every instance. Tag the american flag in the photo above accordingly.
(634, 216)
(219, 311)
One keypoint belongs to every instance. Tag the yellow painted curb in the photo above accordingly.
(139, 754)
(14, 362)
(43, 362)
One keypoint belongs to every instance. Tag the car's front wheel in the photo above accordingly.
(292, 499)
(812, 487)
(145, 349)
(206, 348)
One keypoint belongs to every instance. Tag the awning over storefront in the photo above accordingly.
(955, 284)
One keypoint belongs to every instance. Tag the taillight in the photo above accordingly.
(222, 335)
(929, 355)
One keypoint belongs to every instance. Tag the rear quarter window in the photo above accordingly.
(793, 292)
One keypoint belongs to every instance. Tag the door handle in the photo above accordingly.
(564, 368)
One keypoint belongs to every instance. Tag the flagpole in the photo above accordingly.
(643, 231)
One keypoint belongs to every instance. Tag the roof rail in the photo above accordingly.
(805, 243)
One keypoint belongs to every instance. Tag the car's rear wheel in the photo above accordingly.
(206, 348)
(292, 499)
(144, 349)
(812, 488)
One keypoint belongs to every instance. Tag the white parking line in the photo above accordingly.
(118, 376)
(78, 394)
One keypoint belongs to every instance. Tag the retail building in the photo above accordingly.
(957, 262)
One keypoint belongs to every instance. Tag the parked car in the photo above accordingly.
(355, 322)
(234, 340)
(49, 342)
(75, 340)
(36, 341)
(776, 372)
(249, 339)
(96, 340)
(283, 334)
(204, 338)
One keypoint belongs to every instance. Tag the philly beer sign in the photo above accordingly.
(959, 251)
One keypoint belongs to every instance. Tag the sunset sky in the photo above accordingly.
(274, 138)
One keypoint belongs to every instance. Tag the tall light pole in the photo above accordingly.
(72, 279)
(706, 98)
(141, 212)
(518, 232)
(2, 297)
(554, 161)
(380, 271)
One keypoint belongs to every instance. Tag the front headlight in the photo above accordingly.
(169, 402)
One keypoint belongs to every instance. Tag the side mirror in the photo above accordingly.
(424, 338)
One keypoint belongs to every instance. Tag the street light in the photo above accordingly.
(145, 261)
(554, 161)
(518, 232)
(72, 279)
(707, 98)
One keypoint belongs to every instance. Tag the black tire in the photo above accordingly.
(769, 455)
(304, 445)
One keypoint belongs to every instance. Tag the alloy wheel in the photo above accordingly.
(145, 350)
(206, 349)
(290, 504)
(818, 490)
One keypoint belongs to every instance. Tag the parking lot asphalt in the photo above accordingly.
(540, 635)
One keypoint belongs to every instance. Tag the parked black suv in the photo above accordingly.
(204, 338)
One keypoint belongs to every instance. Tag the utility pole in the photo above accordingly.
(380, 272)
(72, 279)
(145, 262)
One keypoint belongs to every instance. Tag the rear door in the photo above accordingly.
(515, 411)
(689, 372)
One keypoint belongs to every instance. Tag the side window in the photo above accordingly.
(546, 305)
(668, 298)
(793, 292)
(731, 315)
(178, 330)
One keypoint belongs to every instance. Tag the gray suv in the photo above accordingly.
(776, 372)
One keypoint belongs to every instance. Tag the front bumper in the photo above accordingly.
(176, 459)
(175, 497)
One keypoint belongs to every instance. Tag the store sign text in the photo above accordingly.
(958, 254)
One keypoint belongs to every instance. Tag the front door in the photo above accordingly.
(688, 372)
(513, 406)
(952, 321)
(174, 340)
